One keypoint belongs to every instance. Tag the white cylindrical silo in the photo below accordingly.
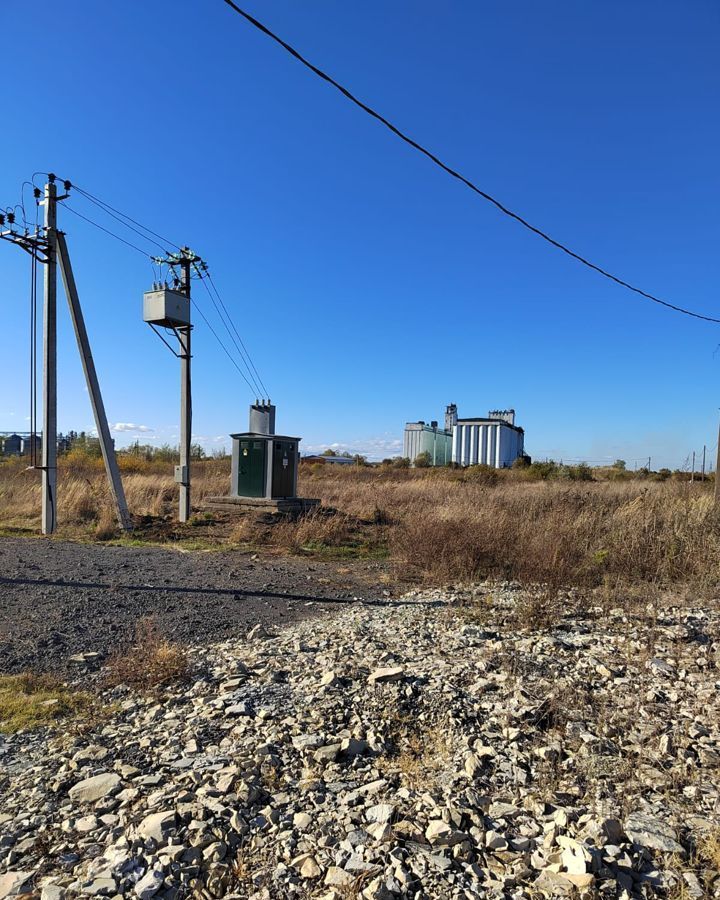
(502, 448)
(509, 447)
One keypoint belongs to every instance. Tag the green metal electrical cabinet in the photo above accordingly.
(264, 466)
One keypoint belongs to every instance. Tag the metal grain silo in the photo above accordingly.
(430, 439)
(493, 441)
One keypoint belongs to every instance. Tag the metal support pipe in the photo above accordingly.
(93, 386)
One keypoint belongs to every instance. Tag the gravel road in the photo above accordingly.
(59, 599)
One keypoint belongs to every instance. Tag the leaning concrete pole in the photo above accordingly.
(49, 434)
(93, 386)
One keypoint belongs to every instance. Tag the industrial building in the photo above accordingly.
(14, 444)
(494, 440)
(430, 439)
(329, 460)
(21, 443)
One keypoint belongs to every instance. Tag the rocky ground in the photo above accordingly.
(430, 749)
(60, 599)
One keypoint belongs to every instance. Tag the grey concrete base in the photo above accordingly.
(261, 504)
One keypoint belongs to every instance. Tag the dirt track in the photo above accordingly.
(59, 599)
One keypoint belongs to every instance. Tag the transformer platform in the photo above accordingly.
(231, 503)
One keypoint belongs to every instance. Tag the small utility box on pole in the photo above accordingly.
(166, 308)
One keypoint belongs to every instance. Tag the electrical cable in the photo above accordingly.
(108, 208)
(126, 225)
(107, 231)
(116, 214)
(227, 352)
(52, 504)
(247, 352)
(22, 204)
(110, 211)
(257, 387)
(455, 174)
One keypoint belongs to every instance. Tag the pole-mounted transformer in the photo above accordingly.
(169, 307)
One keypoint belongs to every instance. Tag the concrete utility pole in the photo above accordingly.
(717, 472)
(49, 443)
(703, 463)
(185, 395)
(692, 475)
(48, 246)
(98, 407)
(170, 308)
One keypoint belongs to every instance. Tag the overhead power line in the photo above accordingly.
(106, 230)
(227, 352)
(257, 386)
(237, 333)
(455, 174)
(122, 221)
(110, 210)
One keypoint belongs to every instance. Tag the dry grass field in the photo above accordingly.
(434, 524)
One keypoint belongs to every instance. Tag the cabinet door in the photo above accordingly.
(251, 469)
(284, 461)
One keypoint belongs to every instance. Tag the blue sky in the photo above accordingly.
(370, 287)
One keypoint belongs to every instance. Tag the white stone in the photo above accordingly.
(96, 788)
(337, 877)
(156, 825)
(310, 868)
(302, 821)
(86, 824)
(651, 832)
(393, 673)
(381, 812)
(495, 841)
(149, 884)
(14, 883)
(437, 831)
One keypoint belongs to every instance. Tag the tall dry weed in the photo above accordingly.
(566, 535)
(439, 524)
